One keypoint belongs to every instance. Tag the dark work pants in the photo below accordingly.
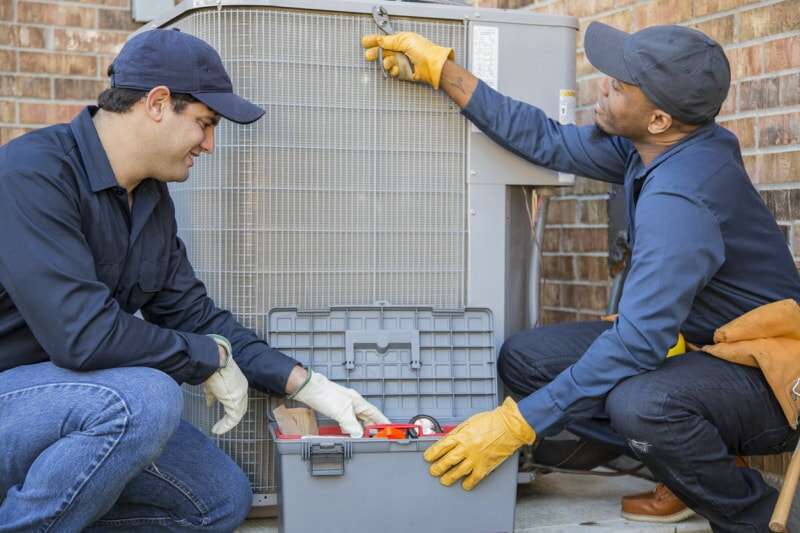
(685, 421)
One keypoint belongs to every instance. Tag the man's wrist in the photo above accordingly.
(223, 356)
(298, 378)
(224, 347)
(458, 83)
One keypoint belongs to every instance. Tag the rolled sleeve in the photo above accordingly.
(527, 131)
(679, 248)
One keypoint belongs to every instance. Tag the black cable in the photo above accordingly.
(437, 427)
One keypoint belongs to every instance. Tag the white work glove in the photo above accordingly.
(344, 405)
(228, 386)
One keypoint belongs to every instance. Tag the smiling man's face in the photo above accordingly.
(184, 136)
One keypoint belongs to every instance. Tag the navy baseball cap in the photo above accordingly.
(682, 71)
(185, 64)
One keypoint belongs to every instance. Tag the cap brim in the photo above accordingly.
(231, 106)
(604, 48)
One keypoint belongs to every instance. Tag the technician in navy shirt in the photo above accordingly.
(90, 407)
(705, 251)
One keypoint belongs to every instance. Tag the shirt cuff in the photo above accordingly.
(266, 368)
(541, 412)
(475, 110)
(204, 356)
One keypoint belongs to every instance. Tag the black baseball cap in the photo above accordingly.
(682, 71)
(185, 64)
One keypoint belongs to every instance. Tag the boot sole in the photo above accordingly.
(668, 519)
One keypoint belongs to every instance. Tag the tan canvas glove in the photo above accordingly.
(228, 386)
(344, 405)
(479, 445)
(428, 59)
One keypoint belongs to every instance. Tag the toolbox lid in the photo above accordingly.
(405, 360)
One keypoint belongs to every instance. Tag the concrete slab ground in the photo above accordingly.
(559, 503)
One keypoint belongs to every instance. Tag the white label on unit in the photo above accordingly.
(485, 50)
(566, 115)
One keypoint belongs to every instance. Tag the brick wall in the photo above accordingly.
(53, 58)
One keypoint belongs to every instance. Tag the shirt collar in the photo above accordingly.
(94, 157)
(700, 133)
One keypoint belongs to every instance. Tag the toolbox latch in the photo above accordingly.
(326, 459)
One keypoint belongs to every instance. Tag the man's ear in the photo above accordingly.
(157, 102)
(660, 121)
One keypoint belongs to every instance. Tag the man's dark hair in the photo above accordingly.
(119, 100)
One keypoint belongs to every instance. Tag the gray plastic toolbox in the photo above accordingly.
(406, 361)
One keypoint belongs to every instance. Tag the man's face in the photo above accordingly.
(622, 109)
(184, 135)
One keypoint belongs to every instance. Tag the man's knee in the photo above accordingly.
(236, 497)
(242, 496)
(154, 402)
(522, 360)
(510, 367)
(639, 411)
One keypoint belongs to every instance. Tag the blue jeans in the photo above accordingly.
(107, 450)
(685, 421)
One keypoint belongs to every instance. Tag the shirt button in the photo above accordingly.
(119, 191)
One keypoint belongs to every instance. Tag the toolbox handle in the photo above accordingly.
(381, 339)
(326, 459)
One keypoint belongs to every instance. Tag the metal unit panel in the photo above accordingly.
(548, 69)
(394, 7)
(351, 190)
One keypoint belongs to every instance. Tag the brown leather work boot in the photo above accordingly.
(659, 505)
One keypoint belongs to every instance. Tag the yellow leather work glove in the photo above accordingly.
(427, 58)
(478, 445)
(396, 64)
(679, 348)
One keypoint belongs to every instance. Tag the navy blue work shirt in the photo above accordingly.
(76, 263)
(705, 248)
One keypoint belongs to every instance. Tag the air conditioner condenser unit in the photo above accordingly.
(356, 190)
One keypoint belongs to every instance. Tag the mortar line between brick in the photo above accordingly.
(734, 11)
(30, 100)
(772, 150)
(578, 226)
(581, 254)
(574, 310)
(586, 197)
(761, 40)
(773, 74)
(53, 75)
(786, 185)
(576, 282)
(54, 52)
(43, 26)
(77, 4)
